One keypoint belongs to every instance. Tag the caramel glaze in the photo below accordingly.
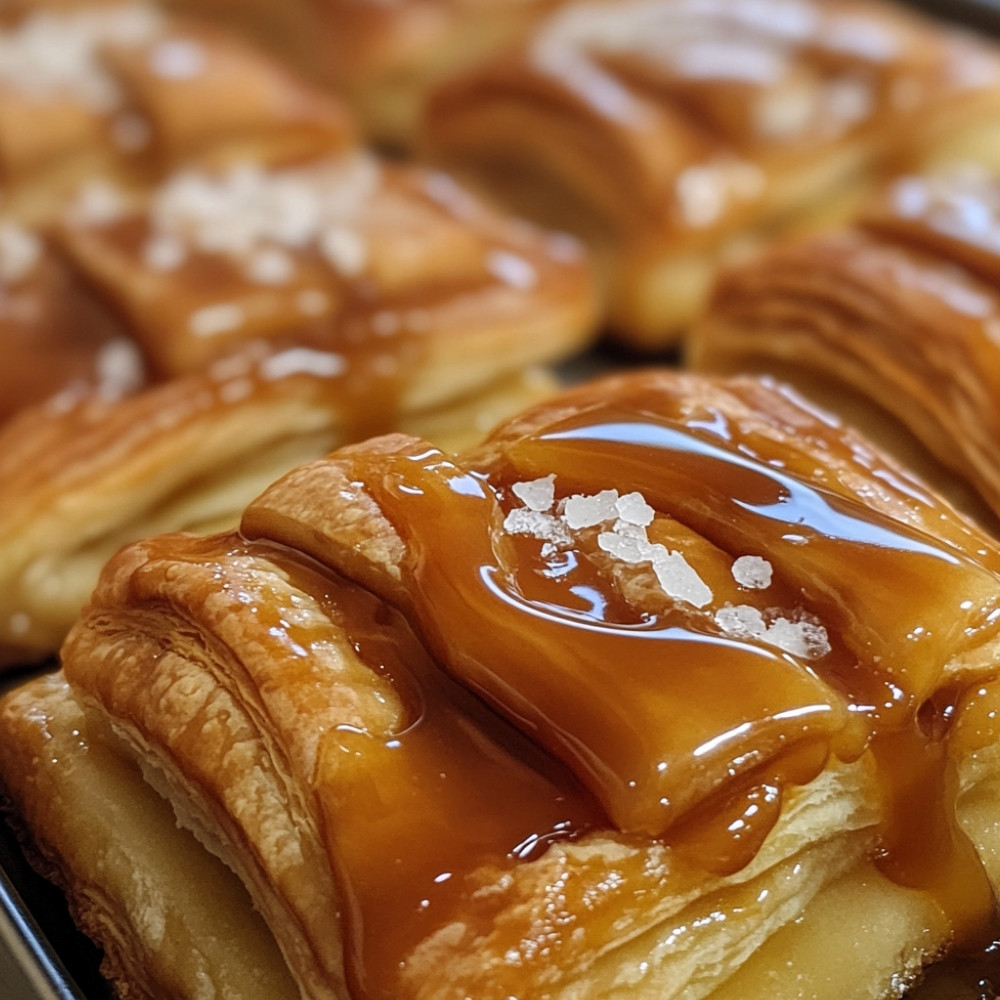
(682, 734)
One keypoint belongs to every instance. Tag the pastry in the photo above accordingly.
(679, 134)
(122, 91)
(103, 819)
(890, 321)
(384, 57)
(257, 318)
(599, 708)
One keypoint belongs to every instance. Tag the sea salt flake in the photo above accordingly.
(512, 269)
(627, 548)
(344, 250)
(805, 639)
(633, 509)
(537, 524)
(20, 252)
(752, 572)
(214, 320)
(164, 253)
(537, 494)
(741, 621)
(270, 266)
(587, 511)
(679, 579)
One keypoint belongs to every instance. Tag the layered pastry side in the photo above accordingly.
(167, 359)
(676, 135)
(892, 321)
(123, 91)
(673, 688)
(384, 57)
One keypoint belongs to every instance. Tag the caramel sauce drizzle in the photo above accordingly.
(412, 810)
(679, 732)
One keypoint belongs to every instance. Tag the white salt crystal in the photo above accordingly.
(586, 511)
(741, 620)
(512, 269)
(537, 524)
(164, 253)
(213, 320)
(537, 494)
(344, 250)
(679, 579)
(805, 639)
(626, 547)
(20, 252)
(752, 572)
(270, 266)
(633, 509)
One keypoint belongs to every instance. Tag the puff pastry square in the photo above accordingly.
(252, 318)
(677, 134)
(125, 91)
(892, 321)
(600, 708)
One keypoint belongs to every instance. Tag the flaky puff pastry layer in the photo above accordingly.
(891, 322)
(173, 922)
(125, 92)
(384, 57)
(678, 134)
(251, 320)
(600, 709)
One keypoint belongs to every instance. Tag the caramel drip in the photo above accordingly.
(557, 666)
(420, 808)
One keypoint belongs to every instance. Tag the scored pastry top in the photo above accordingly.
(369, 248)
(655, 583)
(381, 266)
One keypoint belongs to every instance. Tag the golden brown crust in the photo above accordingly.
(679, 134)
(890, 322)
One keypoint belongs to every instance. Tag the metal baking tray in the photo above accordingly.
(44, 957)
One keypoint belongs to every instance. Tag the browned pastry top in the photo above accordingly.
(373, 264)
(711, 107)
(684, 597)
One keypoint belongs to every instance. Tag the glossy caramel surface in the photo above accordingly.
(688, 710)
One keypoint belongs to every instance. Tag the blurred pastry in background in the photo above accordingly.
(384, 57)
(892, 322)
(714, 758)
(246, 320)
(125, 92)
(676, 135)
